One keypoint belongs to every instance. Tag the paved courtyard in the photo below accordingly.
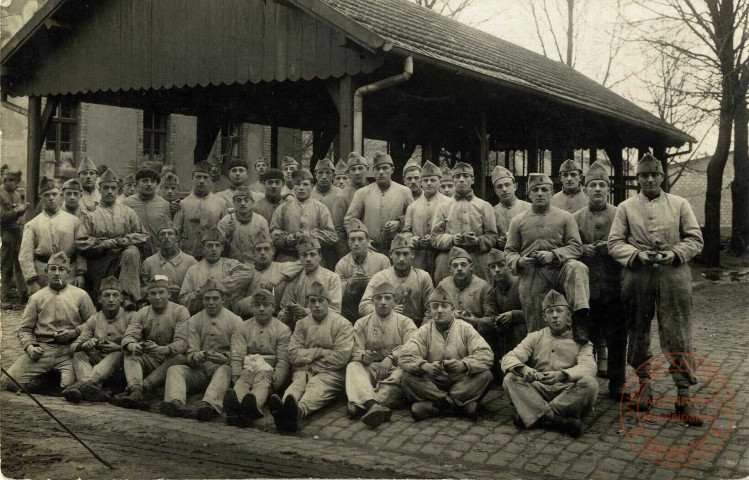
(145, 444)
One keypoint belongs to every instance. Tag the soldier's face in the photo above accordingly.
(88, 179)
(262, 311)
(110, 300)
(541, 195)
(310, 259)
(158, 297)
(499, 269)
(318, 307)
(147, 186)
(129, 189)
(463, 183)
(570, 179)
(597, 191)
(201, 183)
(212, 250)
(341, 180)
(461, 268)
(273, 187)
(413, 181)
(51, 200)
(358, 174)
(402, 258)
(558, 318)
(358, 242)
(302, 190)
(168, 239)
(442, 313)
(287, 171)
(430, 185)
(261, 168)
(383, 173)
(72, 197)
(324, 178)
(264, 254)
(213, 302)
(169, 193)
(447, 188)
(505, 189)
(650, 183)
(58, 276)
(109, 192)
(243, 204)
(238, 175)
(11, 184)
(384, 304)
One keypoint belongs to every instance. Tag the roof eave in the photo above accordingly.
(29, 29)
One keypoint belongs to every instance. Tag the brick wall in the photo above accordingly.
(692, 185)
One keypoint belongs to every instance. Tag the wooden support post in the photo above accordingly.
(33, 152)
(274, 147)
(617, 161)
(483, 160)
(593, 156)
(207, 130)
(659, 152)
(346, 116)
(46, 122)
(557, 158)
(321, 141)
(507, 160)
(427, 153)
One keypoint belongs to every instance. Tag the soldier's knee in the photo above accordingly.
(80, 356)
(588, 383)
(177, 371)
(511, 380)
(131, 253)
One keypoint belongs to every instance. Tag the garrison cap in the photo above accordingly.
(447, 175)
(356, 225)
(597, 171)
(158, 281)
(412, 163)
(263, 296)
(110, 283)
(59, 259)
(535, 179)
(499, 173)
(169, 179)
(430, 170)
(166, 168)
(356, 159)
(72, 184)
(307, 242)
(457, 252)
(401, 241)
(341, 168)
(261, 160)
(441, 295)
(108, 177)
(165, 224)
(260, 238)
(649, 164)
(570, 165)
(13, 175)
(300, 175)
(147, 173)
(211, 234)
(212, 285)
(242, 191)
(383, 288)
(289, 161)
(87, 164)
(46, 184)
(325, 164)
(317, 289)
(495, 256)
(128, 179)
(237, 162)
(553, 299)
(202, 167)
(382, 158)
(461, 168)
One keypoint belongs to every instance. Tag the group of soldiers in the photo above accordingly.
(290, 292)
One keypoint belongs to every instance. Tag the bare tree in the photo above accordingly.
(711, 36)
(448, 8)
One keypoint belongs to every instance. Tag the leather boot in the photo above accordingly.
(376, 416)
(580, 327)
(292, 413)
(249, 407)
(423, 410)
(72, 394)
(134, 400)
(687, 412)
(232, 408)
(602, 359)
(644, 396)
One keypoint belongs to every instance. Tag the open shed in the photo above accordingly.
(343, 69)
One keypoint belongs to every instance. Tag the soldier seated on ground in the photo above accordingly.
(51, 321)
(97, 354)
(209, 335)
(378, 340)
(447, 364)
(320, 349)
(155, 340)
(259, 361)
(554, 381)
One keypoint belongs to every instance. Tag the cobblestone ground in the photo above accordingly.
(146, 445)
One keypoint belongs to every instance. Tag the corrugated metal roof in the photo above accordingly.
(424, 32)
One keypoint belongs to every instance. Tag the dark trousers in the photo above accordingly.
(608, 320)
(10, 268)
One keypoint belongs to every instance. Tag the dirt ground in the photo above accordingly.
(148, 445)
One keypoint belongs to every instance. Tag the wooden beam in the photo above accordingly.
(207, 130)
(483, 160)
(33, 151)
(46, 120)
(274, 160)
(346, 116)
(617, 161)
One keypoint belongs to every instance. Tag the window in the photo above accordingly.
(60, 142)
(154, 136)
(229, 140)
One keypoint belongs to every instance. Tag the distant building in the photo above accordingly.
(692, 185)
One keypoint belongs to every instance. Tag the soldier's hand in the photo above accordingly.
(231, 226)
(545, 258)
(109, 347)
(136, 349)
(173, 289)
(602, 247)
(646, 257)
(123, 242)
(35, 353)
(217, 357)
(89, 344)
(454, 366)
(426, 241)
(459, 240)
(501, 242)
(590, 250)
(383, 369)
(290, 240)
(392, 226)
(400, 308)
(503, 320)
(200, 357)
(175, 207)
(297, 310)
(33, 287)
(367, 357)
(550, 378)
(468, 317)
(431, 369)
(529, 374)
(527, 262)
(67, 335)
(21, 208)
(667, 258)
(79, 281)
(471, 239)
